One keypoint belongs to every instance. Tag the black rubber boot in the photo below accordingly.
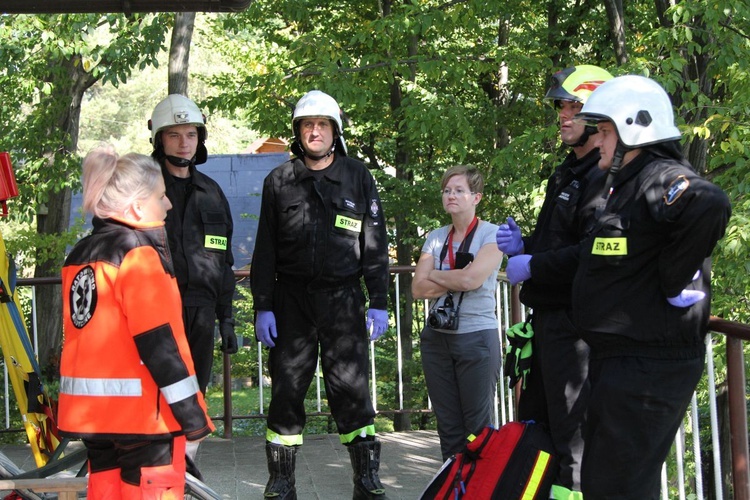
(281, 461)
(365, 457)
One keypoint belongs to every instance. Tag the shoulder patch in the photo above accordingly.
(83, 297)
(676, 189)
(374, 208)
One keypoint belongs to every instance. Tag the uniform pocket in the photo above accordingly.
(610, 244)
(347, 218)
(291, 222)
(215, 231)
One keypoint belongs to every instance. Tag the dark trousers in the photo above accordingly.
(335, 321)
(461, 372)
(635, 409)
(557, 389)
(131, 458)
(200, 326)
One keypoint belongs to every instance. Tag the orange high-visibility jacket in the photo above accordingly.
(126, 370)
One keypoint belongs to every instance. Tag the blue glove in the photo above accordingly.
(377, 322)
(518, 269)
(687, 298)
(508, 238)
(265, 328)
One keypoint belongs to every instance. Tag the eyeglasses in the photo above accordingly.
(457, 192)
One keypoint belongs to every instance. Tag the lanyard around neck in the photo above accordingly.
(448, 245)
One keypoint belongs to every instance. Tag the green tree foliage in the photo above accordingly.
(707, 68)
(46, 57)
(50, 61)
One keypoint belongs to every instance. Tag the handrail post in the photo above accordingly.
(738, 419)
(227, 397)
(515, 317)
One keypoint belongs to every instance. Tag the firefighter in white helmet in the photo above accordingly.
(556, 389)
(321, 230)
(199, 230)
(642, 291)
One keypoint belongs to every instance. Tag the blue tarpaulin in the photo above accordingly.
(241, 178)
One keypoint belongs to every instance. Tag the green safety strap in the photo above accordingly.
(518, 352)
(558, 492)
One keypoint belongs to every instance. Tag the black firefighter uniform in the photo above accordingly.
(318, 235)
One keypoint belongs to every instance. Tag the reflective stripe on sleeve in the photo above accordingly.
(78, 386)
(183, 389)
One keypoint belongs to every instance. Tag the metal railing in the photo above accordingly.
(676, 472)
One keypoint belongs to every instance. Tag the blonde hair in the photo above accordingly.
(111, 183)
(474, 177)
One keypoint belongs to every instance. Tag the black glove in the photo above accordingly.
(228, 338)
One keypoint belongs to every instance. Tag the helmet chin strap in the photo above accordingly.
(617, 157)
(588, 131)
(319, 157)
(300, 151)
(180, 162)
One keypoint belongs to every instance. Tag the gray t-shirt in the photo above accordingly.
(478, 306)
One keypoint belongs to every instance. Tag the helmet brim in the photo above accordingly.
(590, 119)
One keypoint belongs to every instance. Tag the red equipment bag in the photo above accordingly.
(8, 187)
(515, 462)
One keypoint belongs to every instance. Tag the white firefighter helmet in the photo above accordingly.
(176, 109)
(318, 104)
(639, 108)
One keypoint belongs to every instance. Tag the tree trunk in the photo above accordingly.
(661, 10)
(616, 17)
(404, 232)
(54, 220)
(501, 98)
(696, 70)
(179, 52)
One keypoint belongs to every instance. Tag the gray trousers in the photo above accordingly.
(461, 371)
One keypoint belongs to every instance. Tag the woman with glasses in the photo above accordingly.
(457, 272)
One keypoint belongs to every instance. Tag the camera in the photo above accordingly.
(444, 317)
